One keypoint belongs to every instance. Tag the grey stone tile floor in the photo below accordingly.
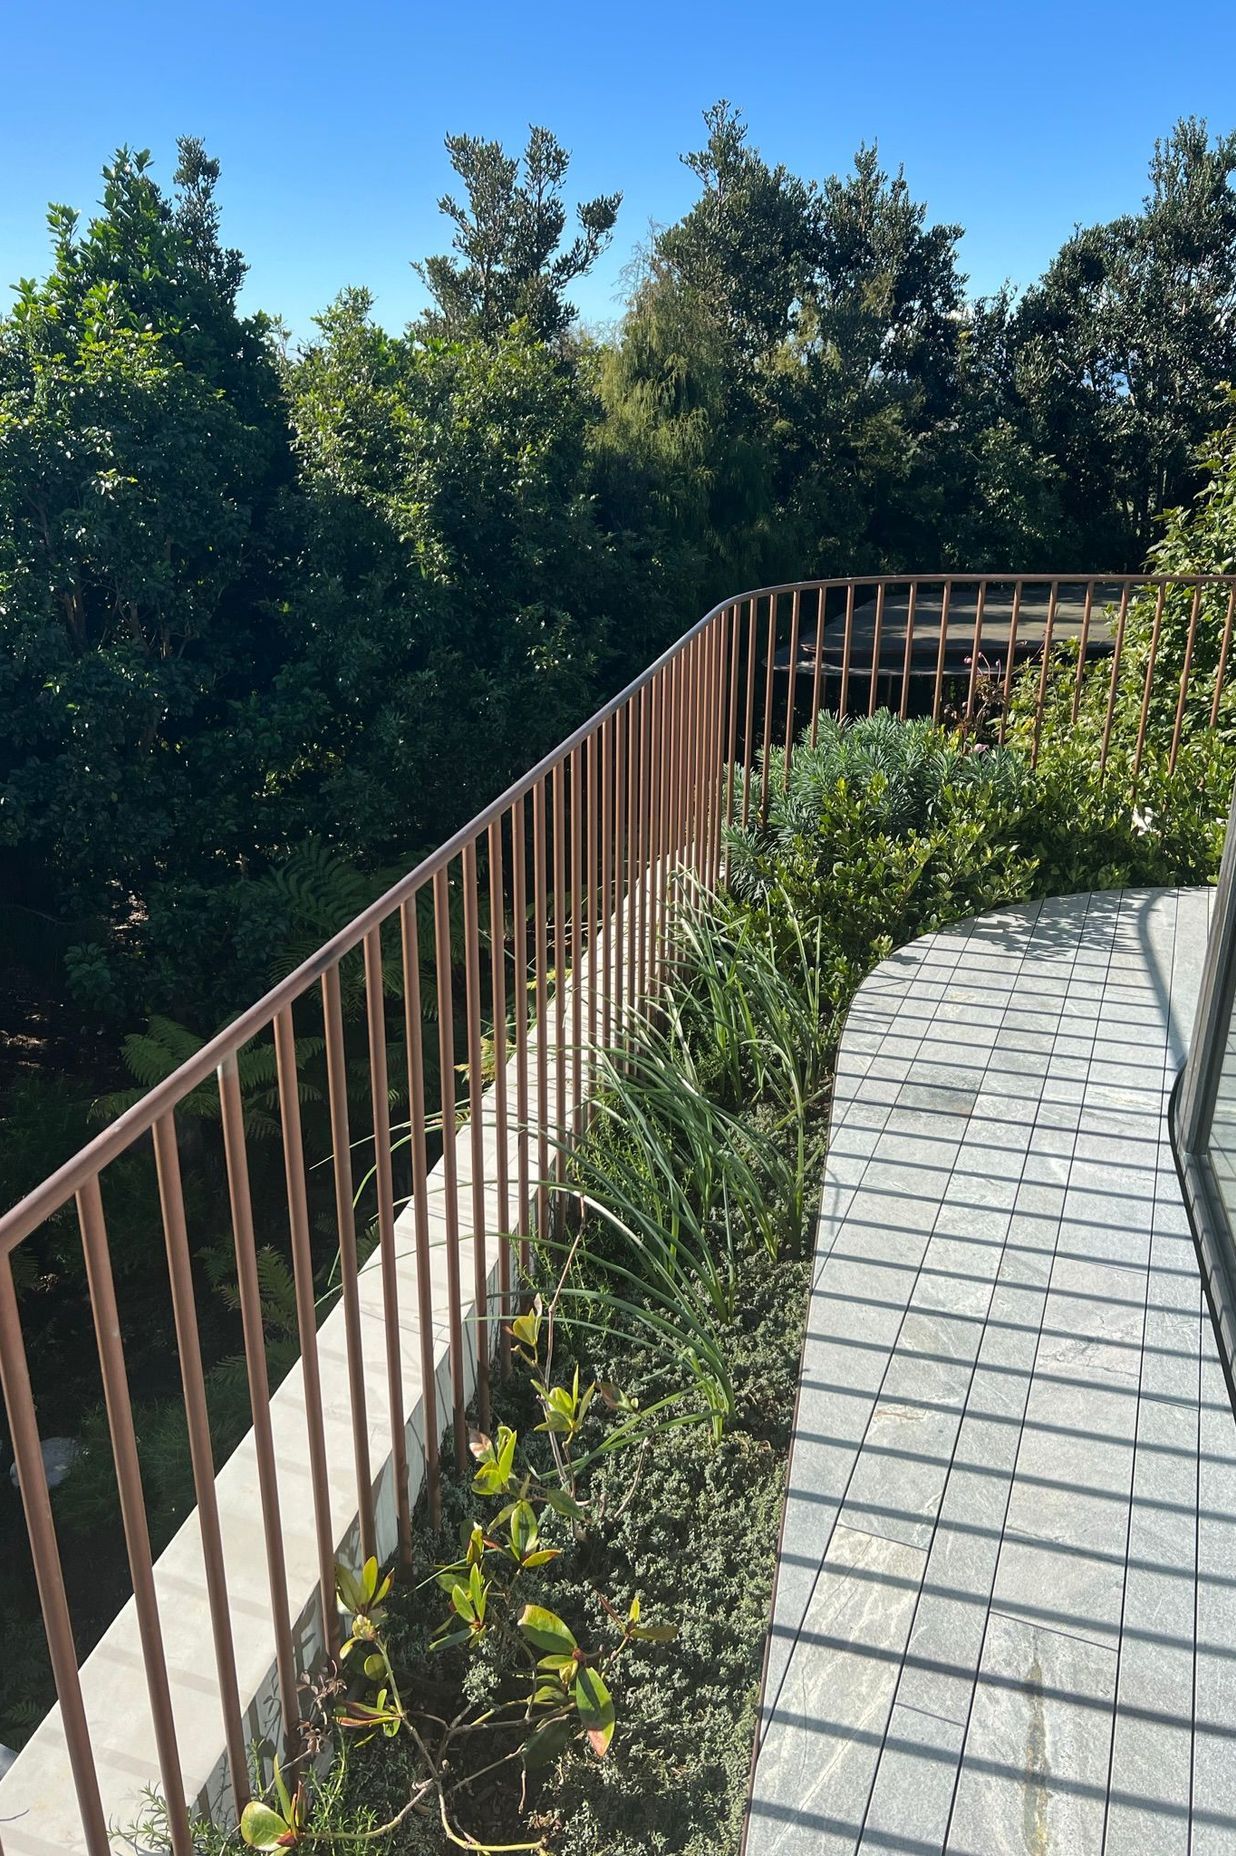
(1005, 1616)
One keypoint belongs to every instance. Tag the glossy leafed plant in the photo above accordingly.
(550, 1686)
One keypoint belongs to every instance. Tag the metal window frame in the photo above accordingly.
(1192, 1108)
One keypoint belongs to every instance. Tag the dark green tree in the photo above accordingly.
(509, 263)
(1123, 350)
(451, 584)
(143, 456)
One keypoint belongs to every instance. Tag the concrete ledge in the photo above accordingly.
(38, 1806)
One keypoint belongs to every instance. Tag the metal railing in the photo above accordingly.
(468, 963)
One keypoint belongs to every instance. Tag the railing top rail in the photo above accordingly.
(997, 577)
(59, 1187)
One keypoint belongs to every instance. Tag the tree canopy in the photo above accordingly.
(256, 594)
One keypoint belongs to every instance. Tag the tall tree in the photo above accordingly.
(451, 581)
(1124, 348)
(693, 390)
(143, 454)
(509, 262)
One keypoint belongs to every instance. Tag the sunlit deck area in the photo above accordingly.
(1005, 1617)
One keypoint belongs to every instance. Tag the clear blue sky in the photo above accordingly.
(1018, 121)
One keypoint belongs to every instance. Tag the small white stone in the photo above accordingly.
(59, 1456)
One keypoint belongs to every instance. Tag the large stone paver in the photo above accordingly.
(1005, 1619)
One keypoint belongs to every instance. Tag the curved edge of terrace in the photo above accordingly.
(1005, 1610)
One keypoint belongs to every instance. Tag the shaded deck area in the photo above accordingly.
(1005, 1617)
(934, 638)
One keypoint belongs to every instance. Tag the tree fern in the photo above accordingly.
(154, 1054)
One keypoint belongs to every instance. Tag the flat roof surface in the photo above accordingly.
(1005, 1617)
(885, 643)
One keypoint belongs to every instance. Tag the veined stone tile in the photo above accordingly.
(1094, 1320)
(1004, 1373)
(1044, 1200)
(818, 1759)
(956, 1277)
(914, 1149)
(899, 1477)
(1152, 1749)
(877, 1209)
(983, 1190)
(913, 1790)
(1033, 1777)
(1070, 1577)
(944, 1647)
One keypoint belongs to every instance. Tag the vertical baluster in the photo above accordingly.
(671, 795)
(201, 1453)
(133, 1506)
(817, 669)
(607, 902)
(691, 781)
(592, 850)
(519, 940)
(619, 916)
(679, 789)
(716, 714)
(644, 867)
(560, 980)
(1052, 602)
(576, 816)
(847, 649)
(665, 793)
(876, 642)
(288, 1083)
(1117, 654)
(1155, 633)
(699, 804)
(687, 784)
(731, 745)
(749, 723)
(45, 1555)
(908, 660)
(497, 987)
(671, 790)
(631, 982)
(450, 1173)
(770, 672)
(414, 1042)
(1087, 609)
(706, 679)
(937, 698)
(664, 770)
(1012, 659)
(473, 1006)
(1186, 671)
(657, 700)
(1221, 667)
(976, 652)
(792, 678)
(540, 853)
(345, 1223)
(249, 1294)
(379, 1091)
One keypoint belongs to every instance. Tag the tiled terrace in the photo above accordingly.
(1005, 1618)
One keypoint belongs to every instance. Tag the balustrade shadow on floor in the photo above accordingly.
(1005, 1617)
